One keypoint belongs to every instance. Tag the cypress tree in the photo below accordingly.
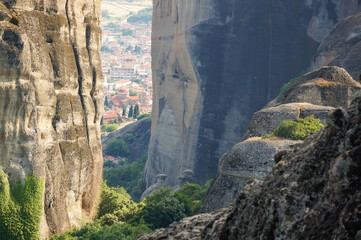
(136, 111)
(130, 114)
(123, 114)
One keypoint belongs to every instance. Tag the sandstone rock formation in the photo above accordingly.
(141, 132)
(254, 157)
(51, 103)
(250, 159)
(312, 193)
(327, 86)
(342, 47)
(268, 119)
(215, 63)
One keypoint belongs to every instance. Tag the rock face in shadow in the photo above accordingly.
(51, 103)
(312, 193)
(215, 63)
(342, 47)
(141, 131)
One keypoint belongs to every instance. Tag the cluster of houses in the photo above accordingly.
(120, 101)
(127, 71)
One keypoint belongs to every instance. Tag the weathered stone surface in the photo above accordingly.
(327, 86)
(155, 187)
(192, 227)
(141, 132)
(51, 103)
(342, 47)
(313, 193)
(215, 63)
(268, 119)
(250, 159)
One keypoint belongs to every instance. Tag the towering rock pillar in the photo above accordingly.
(51, 103)
(216, 62)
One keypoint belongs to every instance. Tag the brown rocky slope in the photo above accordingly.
(51, 103)
(312, 193)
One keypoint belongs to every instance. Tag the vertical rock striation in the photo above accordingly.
(215, 63)
(51, 103)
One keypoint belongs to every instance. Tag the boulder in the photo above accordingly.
(250, 159)
(327, 86)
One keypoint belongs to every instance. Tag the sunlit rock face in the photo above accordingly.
(215, 63)
(51, 103)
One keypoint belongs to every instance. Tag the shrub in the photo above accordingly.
(144, 115)
(161, 209)
(297, 130)
(286, 87)
(117, 147)
(96, 231)
(129, 176)
(20, 208)
(116, 201)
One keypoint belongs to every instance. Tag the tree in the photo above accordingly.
(124, 111)
(132, 92)
(117, 147)
(130, 114)
(136, 111)
(106, 103)
(161, 209)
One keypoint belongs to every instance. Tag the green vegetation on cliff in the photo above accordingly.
(20, 208)
(121, 218)
(128, 176)
(297, 130)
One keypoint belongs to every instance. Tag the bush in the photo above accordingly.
(144, 115)
(129, 138)
(129, 176)
(297, 130)
(110, 127)
(116, 202)
(96, 231)
(286, 87)
(117, 147)
(20, 208)
(161, 209)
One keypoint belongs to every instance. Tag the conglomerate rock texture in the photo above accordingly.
(312, 193)
(51, 103)
(215, 63)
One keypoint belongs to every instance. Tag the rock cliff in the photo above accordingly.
(51, 103)
(141, 131)
(342, 47)
(312, 193)
(254, 157)
(215, 63)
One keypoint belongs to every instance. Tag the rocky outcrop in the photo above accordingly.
(312, 193)
(342, 47)
(268, 119)
(51, 103)
(254, 157)
(215, 63)
(250, 159)
(327, 86)
(141, 131)
(192, 227)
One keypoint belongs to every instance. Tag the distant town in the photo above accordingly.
(126, 61)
